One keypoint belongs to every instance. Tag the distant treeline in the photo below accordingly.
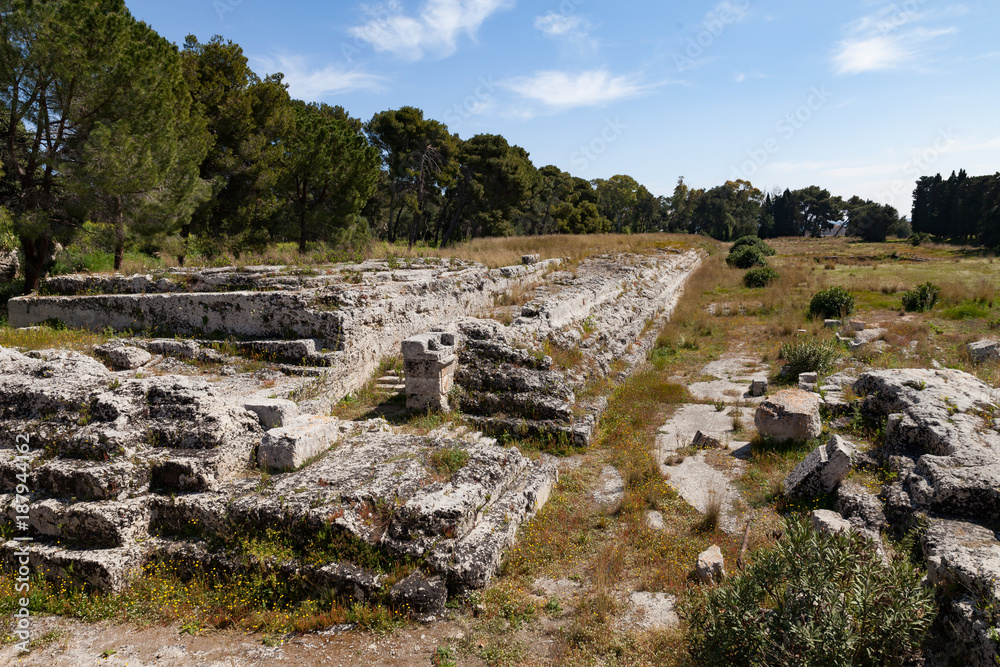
(114, 137)
(962, 208)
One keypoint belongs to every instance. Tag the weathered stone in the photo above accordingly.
(610, 487)
(963, 557)
(866, 337)
(821, 471)
(429, 363)
(288, 447)
(829, 523)
(937, 422)
(273, 412)
(9, 266)
(103, 569)
(419, 594)
(122, 356)
(758, 387)
(654, 520)
(808, 378)
(704, 441)
(832, 324)
(983, 350)
(530, 259)
(860, 507)
(711, 565)
(790, 414)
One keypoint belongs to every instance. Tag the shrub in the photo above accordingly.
(921, 299)
(832, 302)
(808, 357)
(753, 241)
(746, 257)
(916, 238)
(8, 237)
(811, 600)
(760, 276)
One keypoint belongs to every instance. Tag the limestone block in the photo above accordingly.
(821, 471)
(790, 414)
(828, 522)
(758, 388)
(831, 324)
(429, 362)
(8, 266)
(420, 594)
(273, 412)
(122, 356)
(288, 447)
(860, 507)
(984, 350)
(530, 259)
(711, 565)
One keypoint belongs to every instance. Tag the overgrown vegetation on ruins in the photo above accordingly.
(184, 155)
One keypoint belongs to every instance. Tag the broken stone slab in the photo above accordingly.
(966, 557)
(821, 471)
(531, 259)
(829, 523)
(790, 414)
(273, 412)
(983, 350)
(861, 507)
(758, 388)
(122, 356)
(704, 441)
(865, 337)
(711, 565)
(808, 378)
(832, 324)
(102, 569)
(419, 594)
(289, 447)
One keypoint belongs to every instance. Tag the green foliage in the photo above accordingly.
(8, 236)
(760, 276)
(746, 257)
(753, 241)
(922, 298)
(450, 460)
(918, 238)
(811, 600)
(967, 310)
(808, 357)
(832, 302)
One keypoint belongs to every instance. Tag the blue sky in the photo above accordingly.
(857, 96)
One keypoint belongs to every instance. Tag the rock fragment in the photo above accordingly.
(790, 414)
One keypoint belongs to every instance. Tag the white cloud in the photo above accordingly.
(889, 40)
(573, 29)
(314, 84)
(435, 29)
(739, 77)
(562, 90)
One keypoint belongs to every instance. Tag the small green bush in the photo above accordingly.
(8, 237)
(746, 257)
(808, 357)
(760, 276)
(917, 238)
(753, 241)
(922, 298)
(811, 600)
(832, 302)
